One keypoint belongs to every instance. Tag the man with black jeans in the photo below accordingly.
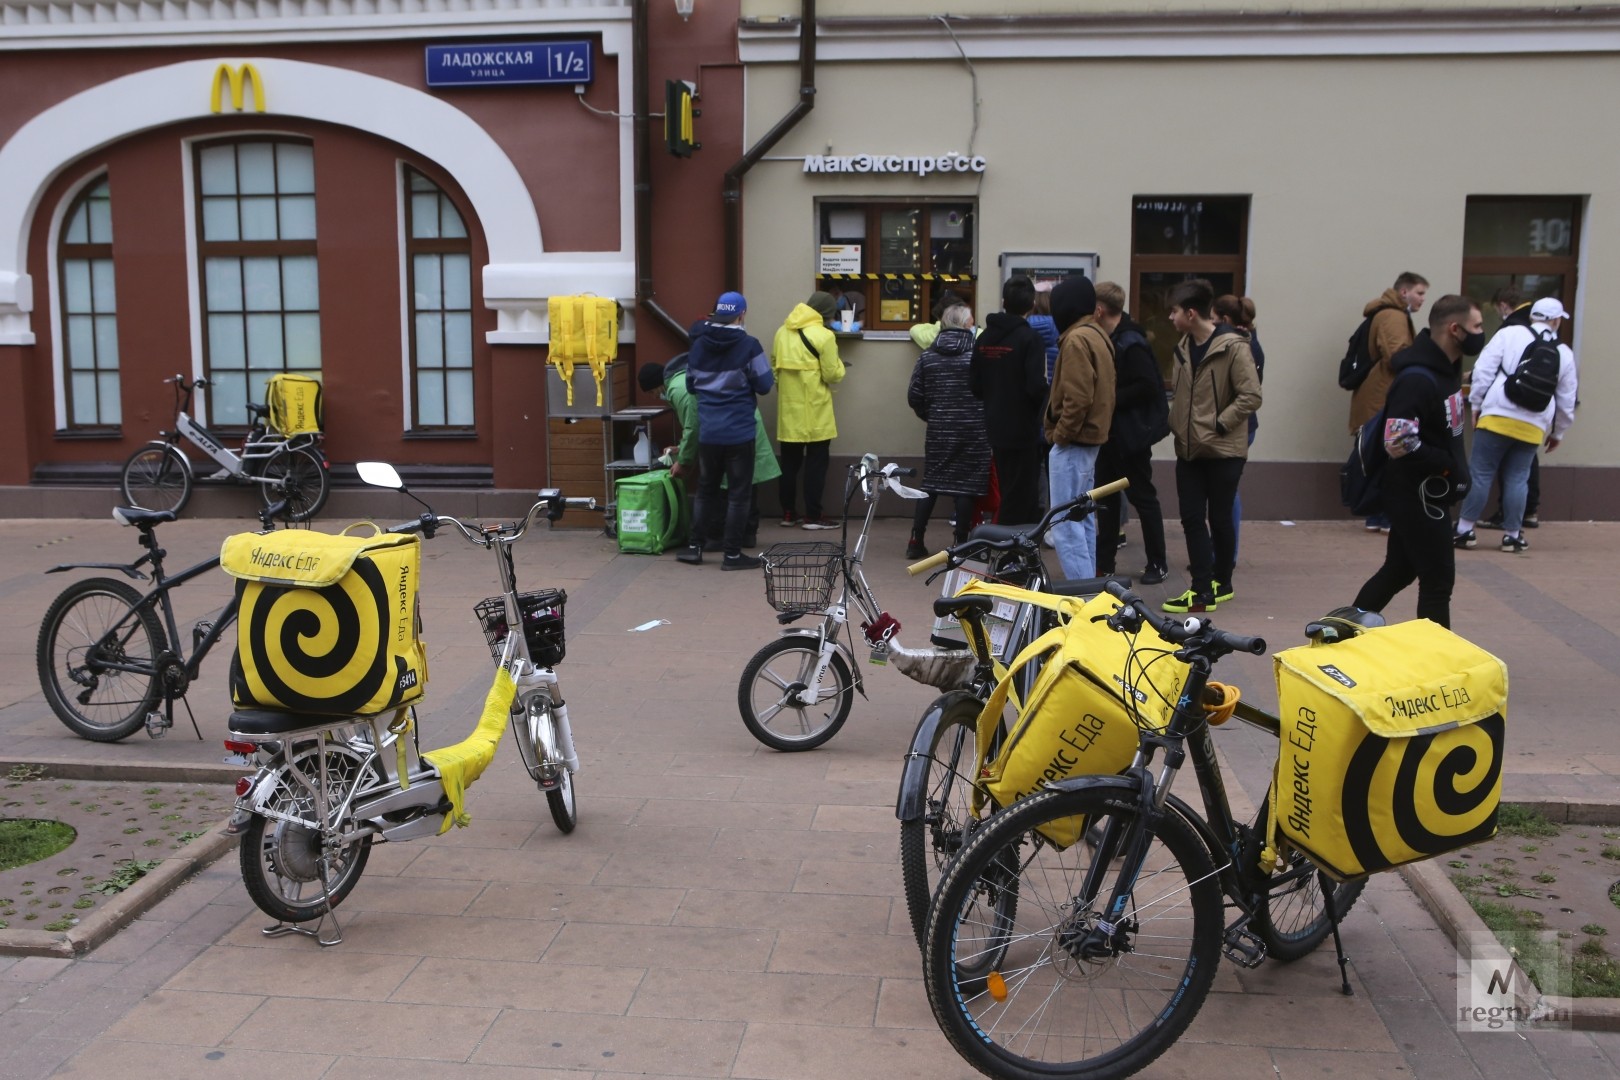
(726, 370)
(1216, 387)
(1141, 419)
(1427, 468)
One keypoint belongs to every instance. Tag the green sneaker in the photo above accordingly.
(1189, 601)
(1222, 593)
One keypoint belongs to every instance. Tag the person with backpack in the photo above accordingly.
(1215, 388)
(1008, 374)
(1079, 414)
(1523, 395)
(804, 356)
(1141, 418)
(1385, 330)
(1427, 468)
(1514, 309)
(727, 371)
(1238, 312)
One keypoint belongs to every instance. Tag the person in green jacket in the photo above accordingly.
(804, 357)
(670, 381)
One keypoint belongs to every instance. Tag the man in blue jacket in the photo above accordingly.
(726, 370)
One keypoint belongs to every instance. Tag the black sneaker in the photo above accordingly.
(1465, 540)
(741, 562)
(1189, 601)
(1222, 591)
(1492, 522)
(693, 554)
(1122, 541)
(915, 549)
(1531, 521)
(1153, 575)
(1518, 545)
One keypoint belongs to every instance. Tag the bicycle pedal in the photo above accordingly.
(1244, 948)
(157, 725)
(203, 628)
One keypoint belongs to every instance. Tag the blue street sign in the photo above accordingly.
(510, 63)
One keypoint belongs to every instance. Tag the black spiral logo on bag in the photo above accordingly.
(1429, 817)
(318, 650)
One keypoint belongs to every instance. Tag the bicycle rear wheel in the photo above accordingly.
(928, 843)
(1292, 916)
(96, 656)
(302, 479)
(1069, 993)
(157, 477)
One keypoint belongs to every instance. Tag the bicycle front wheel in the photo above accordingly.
(928, 844)
(157, 477)
(96, 654)
(769, 695)
(1055, 988)
(300, 476)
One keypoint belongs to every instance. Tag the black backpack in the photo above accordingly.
(1358, 362)
(1358, 476)
(1532, 384)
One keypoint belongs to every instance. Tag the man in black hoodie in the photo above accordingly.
(1141, 418)
(1008, 373)
(1427, 468)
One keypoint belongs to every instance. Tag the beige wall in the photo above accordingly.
(827, 9)
(1352, 180)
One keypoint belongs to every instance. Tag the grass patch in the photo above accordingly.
(1596, 972)
(1516, 820)
(126, 873)
(28, 840)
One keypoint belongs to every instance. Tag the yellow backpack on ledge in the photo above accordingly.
(583, 329)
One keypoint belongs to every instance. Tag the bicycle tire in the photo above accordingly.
(157, 477)
(816, 724)
(78, 621)
(304, 475)
(1291, 916)
(280, 858)
(1045, 1013)
(927, 844)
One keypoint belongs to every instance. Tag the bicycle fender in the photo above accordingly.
(1129, 785)
(849, 657)
(127, 569)
(913, 796)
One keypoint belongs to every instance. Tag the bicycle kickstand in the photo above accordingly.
(1322, 883)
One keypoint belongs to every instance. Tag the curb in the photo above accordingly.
(1436, 893)
(120, 910)
(146, 772)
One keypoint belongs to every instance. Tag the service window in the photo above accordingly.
(893, 261)
(1531, 242)
(1177, 237)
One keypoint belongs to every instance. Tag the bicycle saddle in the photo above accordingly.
(952, 605)
(141, 519)
(1089, 586)
(999, 532)
(1341, 623)
(258, 410)
(277, 722)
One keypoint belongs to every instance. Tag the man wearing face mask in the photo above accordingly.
(1427, 469)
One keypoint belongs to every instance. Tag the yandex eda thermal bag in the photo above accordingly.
(1391, 748)
(294, 402)
(1075, 722)
(327, 624)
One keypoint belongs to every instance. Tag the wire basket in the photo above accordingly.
(799, 577)
(542, 624)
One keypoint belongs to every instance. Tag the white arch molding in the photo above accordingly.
(521, 274)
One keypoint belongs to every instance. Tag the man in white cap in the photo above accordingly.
(1523, 396)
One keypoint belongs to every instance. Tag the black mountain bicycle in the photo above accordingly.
(1090, 960)
(107, 653)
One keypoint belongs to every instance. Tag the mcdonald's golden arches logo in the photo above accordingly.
(244, 76)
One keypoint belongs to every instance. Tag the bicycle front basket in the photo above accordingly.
(799, 577)
(542, 624)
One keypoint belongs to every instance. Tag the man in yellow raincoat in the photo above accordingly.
(804, 356)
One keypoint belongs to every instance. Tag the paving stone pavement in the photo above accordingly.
(724, 910)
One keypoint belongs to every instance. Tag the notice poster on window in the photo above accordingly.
(840, 259)
(1047, 268)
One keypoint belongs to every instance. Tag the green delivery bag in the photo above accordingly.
(651, 512)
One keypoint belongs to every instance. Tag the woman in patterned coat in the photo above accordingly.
(956, 459)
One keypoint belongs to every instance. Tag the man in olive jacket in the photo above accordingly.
(1216, 388)
(1078, 416)
(1390, 332)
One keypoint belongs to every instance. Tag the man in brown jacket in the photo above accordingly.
(1215, 389)
(1390, 332)
(1078, 416)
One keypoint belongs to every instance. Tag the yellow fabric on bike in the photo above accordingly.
(583, 329)
(1076, 721)
(1391, 747)
(295, 404)
(465, 762)
(327, 624)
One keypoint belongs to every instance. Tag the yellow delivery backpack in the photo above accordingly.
(583, 329)
(1391, 747)
(1076, 721)
(326, 624)
(294, 402)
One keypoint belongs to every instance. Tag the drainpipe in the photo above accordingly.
(641, 134)
(731, 189)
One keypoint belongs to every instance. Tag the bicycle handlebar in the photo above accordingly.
(1028, 540)
(938, 558)
(551, 502)
(1108, 489)
(1199, 634)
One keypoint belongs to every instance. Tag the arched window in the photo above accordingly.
(438, 261)
(89, 311)
(260, 284)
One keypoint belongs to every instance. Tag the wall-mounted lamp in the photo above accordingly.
(683, 8)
